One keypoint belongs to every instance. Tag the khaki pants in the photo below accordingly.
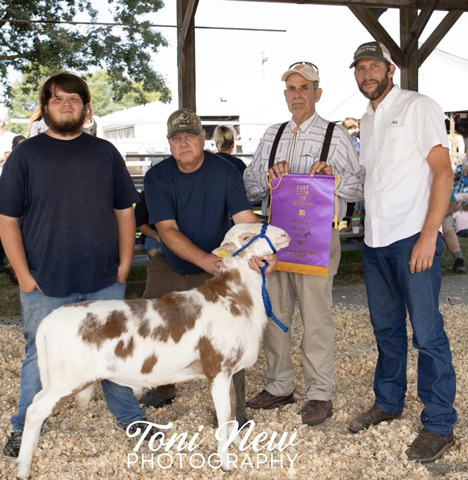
(314, 295)
(161, 279)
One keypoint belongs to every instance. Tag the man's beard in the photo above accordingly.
(378, 91)
(64, 127)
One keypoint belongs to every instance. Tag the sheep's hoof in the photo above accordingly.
(23, 473)
(227, 467)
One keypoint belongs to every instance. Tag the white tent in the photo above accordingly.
(142, 129)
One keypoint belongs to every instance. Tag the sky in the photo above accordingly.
(244, 67)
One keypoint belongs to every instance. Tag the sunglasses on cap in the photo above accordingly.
(298, 64)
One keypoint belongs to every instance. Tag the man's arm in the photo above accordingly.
(12, 240)
(178, 243)
(126, 232)
(423, 251)
(146, 230)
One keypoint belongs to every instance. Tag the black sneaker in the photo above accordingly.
(12, 447)
(459, 266)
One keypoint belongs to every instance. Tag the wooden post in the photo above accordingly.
(186, 53)
(409, 70)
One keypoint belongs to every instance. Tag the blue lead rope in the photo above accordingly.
(265, 296)
(267, 301)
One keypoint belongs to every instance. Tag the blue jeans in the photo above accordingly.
(151, 243)
(391, 290)
(34, 307)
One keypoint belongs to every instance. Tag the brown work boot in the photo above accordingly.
(429, 446)
(315, 412)
(373, 416)
(266, 400)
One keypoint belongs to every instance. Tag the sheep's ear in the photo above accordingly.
(225, 250)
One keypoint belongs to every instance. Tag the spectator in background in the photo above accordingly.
(93, 124)
(461, 220)
(460, 176)
(225, 140)
(37, 124)
(456, 147)
(16, 141)
(352, 126)
(6, 138)
(151, 238)
(451, 239)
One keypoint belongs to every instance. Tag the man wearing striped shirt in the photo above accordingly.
(298, 151)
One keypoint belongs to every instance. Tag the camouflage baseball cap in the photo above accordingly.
(183, 120)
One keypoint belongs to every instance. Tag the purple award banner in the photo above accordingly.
(303, 206)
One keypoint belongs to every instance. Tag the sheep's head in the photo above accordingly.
(242, 233)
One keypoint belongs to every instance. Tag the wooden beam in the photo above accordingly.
(186, 53)
(420, 4)
(409, 71)
(189, 16)
(438, 34)
(411, 39)
(365, 16)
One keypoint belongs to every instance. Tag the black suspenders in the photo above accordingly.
(325, 147)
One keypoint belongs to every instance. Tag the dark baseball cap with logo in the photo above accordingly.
(183, 120)
(371, 51)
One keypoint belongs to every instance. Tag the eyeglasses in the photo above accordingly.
(298, 64)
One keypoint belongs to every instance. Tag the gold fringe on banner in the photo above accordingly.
(303, 269)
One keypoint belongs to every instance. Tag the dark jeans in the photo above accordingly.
(391, 291)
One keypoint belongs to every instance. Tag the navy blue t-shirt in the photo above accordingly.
(200, 202)
(65, 192)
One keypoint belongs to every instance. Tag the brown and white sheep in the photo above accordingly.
(210, 332)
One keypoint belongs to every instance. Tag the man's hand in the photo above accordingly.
(212, 264)
(279, 169)
(27, 283)
(122, 274)
(422, 255)
(255, 263)
(320, 168)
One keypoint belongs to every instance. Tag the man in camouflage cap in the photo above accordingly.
(190, 197)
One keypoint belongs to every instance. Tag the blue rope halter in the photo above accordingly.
(265, 296)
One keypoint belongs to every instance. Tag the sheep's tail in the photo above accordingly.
(42, 355)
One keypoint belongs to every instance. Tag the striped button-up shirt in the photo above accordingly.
(301, 146)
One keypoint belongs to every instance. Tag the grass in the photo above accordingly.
(350, 272)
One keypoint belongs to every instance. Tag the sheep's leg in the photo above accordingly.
(84, 396)
(36, 414)
(220, 389)
(233, 399)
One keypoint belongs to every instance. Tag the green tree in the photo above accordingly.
(105, 101)
(38, 33)
(103, 98)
